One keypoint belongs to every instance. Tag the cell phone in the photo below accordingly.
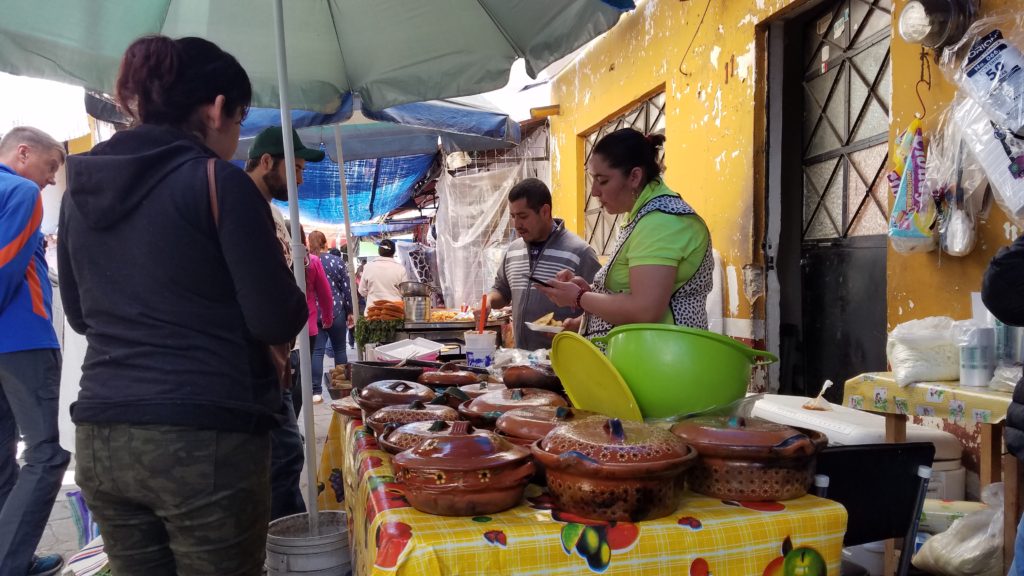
(536, 280)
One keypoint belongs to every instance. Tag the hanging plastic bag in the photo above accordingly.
(1000, 154)
(952, 178)
(972, 546)
(987, 64)
(911, 224)
(923, 351)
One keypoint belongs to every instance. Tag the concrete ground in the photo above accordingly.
(61, 534)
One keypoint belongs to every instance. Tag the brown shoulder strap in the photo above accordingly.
(211, 177)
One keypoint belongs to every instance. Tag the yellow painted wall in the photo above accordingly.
(922, 285)
(713, 126)
(710, 120)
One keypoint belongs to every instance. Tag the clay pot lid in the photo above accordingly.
(347, 407)
(462, 448)
(414, 412)
(449, 375)
(409, 435)
(390, 392)
(534, 422)
(614, 441)
(505, 400)
(481, 388)
(733, 431)
(748, 438)
(523, 376)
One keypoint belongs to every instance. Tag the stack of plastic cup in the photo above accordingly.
(978, 356)
(480, 348)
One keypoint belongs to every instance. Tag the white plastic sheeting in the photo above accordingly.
(473, 231)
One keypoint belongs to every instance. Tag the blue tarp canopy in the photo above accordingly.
(376, 186)
(417, 128)
(386, 152)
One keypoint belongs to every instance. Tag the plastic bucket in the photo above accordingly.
(675, 370)
(292, 551)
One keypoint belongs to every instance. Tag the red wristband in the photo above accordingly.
(579, 297)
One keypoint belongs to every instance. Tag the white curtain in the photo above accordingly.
(472, 231)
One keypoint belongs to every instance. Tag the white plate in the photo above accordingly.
(544, 328)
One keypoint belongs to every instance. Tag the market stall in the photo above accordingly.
(958, 405)
(702, 536)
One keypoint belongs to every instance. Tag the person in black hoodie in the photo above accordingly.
(1002, 291)
(178, 290)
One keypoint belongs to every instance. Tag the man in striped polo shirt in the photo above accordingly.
(544, 247)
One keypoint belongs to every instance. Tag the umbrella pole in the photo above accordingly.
(298, 266)
(352, 247)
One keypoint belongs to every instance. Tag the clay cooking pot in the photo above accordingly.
(609, 469)
(463, 473)
(409, 435)
(749, 458)
(389, 393)
(448, 375)
(524, 426)
(347, 407)
(481, 388)
(395, 416)
(531, 377)
(484, 410)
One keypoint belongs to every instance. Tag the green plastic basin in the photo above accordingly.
(675, 370)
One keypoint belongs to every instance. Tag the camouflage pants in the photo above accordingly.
(172, 500)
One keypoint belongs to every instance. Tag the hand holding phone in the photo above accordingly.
(536, 280)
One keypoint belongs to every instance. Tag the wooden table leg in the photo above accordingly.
(1012, 477)
(895, 433)
(991, 453)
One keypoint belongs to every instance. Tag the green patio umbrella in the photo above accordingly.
(390, 52)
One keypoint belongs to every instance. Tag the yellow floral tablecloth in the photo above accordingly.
(878, 392)
(704, 536)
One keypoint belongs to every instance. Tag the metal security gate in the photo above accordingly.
(831, 192)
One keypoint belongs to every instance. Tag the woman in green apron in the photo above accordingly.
(661, 266)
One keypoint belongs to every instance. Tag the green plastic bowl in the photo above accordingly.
(674, 370)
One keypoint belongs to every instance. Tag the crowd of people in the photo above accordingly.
(187, 442)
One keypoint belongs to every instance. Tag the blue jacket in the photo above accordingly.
(26, 321)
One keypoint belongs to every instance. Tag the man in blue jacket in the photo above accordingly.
(30, 358)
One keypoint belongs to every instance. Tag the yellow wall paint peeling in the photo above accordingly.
(712, 112)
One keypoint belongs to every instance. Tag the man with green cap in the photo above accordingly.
(266, 167)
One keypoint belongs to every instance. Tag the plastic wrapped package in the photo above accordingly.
(956, 183)
(923, 351)
(1006, 376)
(977, 344)
(972, 546)
(1000, 154)
(912, 221)
(988, 65)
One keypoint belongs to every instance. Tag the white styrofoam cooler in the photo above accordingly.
(846, 426)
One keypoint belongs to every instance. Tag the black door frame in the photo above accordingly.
(783, 246)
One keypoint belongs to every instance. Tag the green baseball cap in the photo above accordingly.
(270, 142)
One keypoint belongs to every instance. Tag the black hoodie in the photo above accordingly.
(1001, 291)
(177, 311)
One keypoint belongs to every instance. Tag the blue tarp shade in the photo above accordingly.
(360, 230)
(375, 187)
(417, 128)
(260, 118)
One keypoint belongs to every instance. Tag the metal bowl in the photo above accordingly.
(415, 289)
